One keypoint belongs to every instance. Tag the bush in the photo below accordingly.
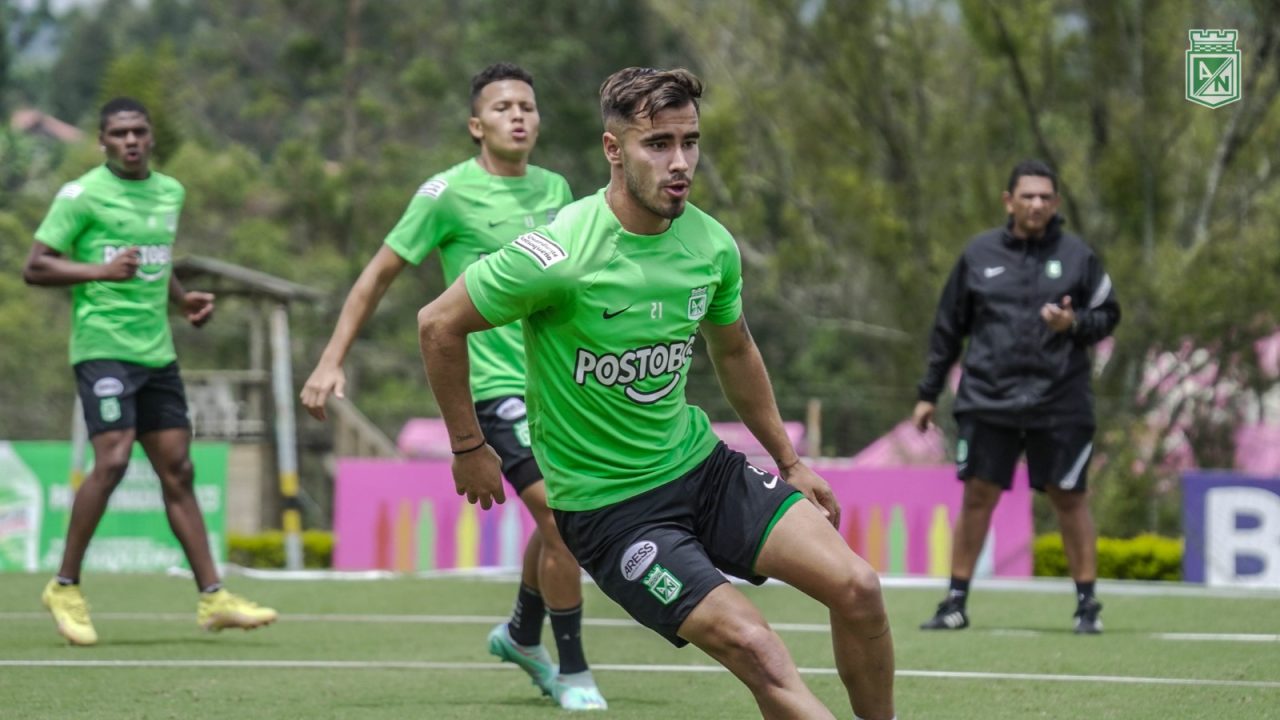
(266, 550)
(1145, 557)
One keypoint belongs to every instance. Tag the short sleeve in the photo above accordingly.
(527, 275)
(726, 306)
(65, 220)
(426, 223)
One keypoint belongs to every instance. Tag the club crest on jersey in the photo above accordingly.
(1053, 269)
(634, 366)
(544, 250)
(697, 303)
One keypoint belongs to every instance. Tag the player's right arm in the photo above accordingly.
(443, 326)
(328, 376)
(950, 326)
(46, 266)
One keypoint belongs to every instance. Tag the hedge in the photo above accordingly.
(1145, 557)
(266, 550)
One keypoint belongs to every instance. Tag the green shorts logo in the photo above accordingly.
(962, 450)
(109, 409)
(663, 584)
(1213, 68)
(522, 433)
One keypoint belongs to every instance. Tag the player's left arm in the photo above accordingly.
(745, 383)
(196, 306)
(1101, 314)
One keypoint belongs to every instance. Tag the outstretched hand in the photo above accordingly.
(197, 307)
(815, 489)
(478, 475)
(1059, 317)
(325, 379)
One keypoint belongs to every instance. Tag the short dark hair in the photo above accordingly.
(495, 73)
(637, 92)
(1032, 168)
(119, 105)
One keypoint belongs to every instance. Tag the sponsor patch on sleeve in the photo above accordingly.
(70, 191)
(541, 248)
(433, 188)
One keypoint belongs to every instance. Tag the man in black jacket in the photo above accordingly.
(1032, 300)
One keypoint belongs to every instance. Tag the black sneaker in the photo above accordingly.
(950, 616)
(1087, 620)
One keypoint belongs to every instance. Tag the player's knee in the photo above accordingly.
(178, 476)
(110, 467)
(758, 648)
(858, 598)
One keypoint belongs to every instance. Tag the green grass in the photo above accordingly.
(151, 618)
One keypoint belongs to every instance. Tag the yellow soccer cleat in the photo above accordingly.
(70, 612)
(222, 609)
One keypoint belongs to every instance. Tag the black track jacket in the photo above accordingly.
(1016, 371)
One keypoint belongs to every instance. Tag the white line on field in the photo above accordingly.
(423, 665)
(596, 622)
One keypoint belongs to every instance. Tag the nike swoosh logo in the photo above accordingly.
(993, 271)
(496, 223)
(610, 315)
(771, 483)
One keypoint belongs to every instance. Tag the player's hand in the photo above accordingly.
(123, 266)
(815, 489)
(324, 379)
(197, 307)
(922, 416)
(478, 475)
(1060, 317)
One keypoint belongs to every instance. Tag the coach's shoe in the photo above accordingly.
(1087, 620)
(950, 616)
(533, 659)
(221, 609)
(70, 612)
(579, 692)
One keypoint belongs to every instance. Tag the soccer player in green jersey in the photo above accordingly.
(109, 235)
(468, 212)
(613, 294)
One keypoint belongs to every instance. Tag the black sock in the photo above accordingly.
(567, 627)
(65, 581)
(1084, 590)
(959, 590)
(212, 588)
(527, 616)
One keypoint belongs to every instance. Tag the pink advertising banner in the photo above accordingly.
(404, 515)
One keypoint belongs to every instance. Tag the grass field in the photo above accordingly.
(414, 648)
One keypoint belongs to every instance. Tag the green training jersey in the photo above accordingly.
(468, 213)
(610, 319)
(91, 220)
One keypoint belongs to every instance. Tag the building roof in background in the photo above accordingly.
(35, 122)
(226, 278)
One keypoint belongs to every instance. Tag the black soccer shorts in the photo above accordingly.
(1056, 456)
(505, 424)
(660, 553)
(121, 395)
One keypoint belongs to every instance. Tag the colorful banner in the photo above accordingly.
(406, 516)
(134, 534)
(1231, 523)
